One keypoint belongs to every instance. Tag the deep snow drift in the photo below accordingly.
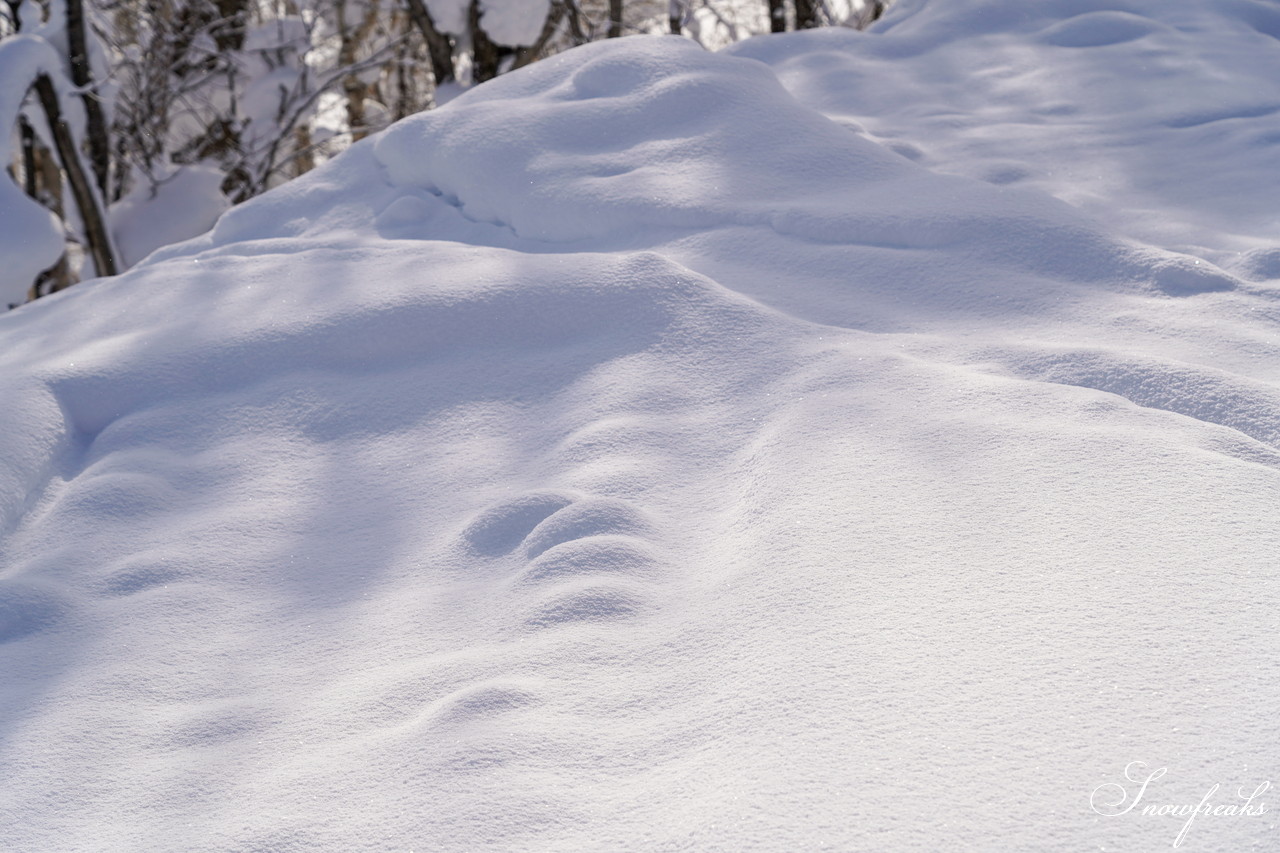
(627, 456)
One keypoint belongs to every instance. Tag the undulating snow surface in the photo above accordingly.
(628, 456)
(1161, 119)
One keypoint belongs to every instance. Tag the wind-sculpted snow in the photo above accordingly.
(653, 142)
(627, 456)
(1158, 119)
(605, 141)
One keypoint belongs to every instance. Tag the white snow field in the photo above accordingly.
(847, 441)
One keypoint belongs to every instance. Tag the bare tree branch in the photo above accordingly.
(439, 45)
(95, 226)
(82, 77)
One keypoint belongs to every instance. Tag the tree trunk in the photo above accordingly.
(806, 14)
(777, 16)
(28, 137)
(305, 159)
(351, 39)
(95, 225)
(82, 77)
(675, 16)
(575, 23)
(485, 54)
(229, 30)
(43, 182)
(407, 99)
(615, 18)
(439, 45)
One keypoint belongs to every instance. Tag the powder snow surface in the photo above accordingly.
(642, 453)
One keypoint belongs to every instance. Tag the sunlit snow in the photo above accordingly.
(844, 441)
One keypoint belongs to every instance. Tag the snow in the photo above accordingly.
(654, 449)
(514, 22)
(31, 238)
(184, 205)
(1159, 121)
(450, 16)
(32, 242)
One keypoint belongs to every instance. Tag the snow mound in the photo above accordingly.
(1158, 119)
(628, 456)
(646, 141)
(656, 144)
(606, 140)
